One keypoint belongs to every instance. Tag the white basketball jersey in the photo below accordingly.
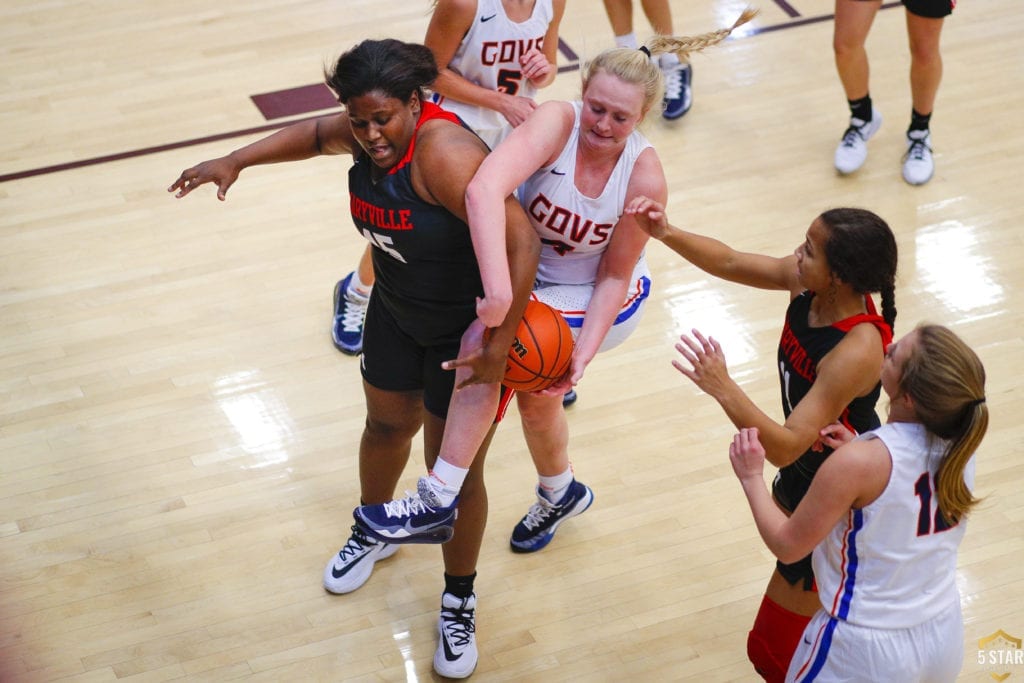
(488, 56)
(575, 229)
(892, 564)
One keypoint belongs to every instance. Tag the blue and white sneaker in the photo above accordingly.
(678, 91)
(456, 654)
(537, 528)
(351, 567)
(417, 518)
(349, 313)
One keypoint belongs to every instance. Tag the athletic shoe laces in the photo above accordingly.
(356, 544)
(353, 311)
(458, 624)
(412, 504)
(537, 513)
(854, 134)
(918, 149)
(673, 84)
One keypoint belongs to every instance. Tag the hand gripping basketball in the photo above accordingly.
(541, 352)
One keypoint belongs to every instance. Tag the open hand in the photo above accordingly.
(223, 171)
(706, 363)
(650, 216)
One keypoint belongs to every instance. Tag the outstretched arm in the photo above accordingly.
(713, 256)
(325, 135)
(849, 370)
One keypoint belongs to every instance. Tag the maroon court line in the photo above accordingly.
(120, 156)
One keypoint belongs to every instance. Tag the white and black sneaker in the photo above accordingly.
(351, 567)
(456, 654)
(918, 164)
(852, 151)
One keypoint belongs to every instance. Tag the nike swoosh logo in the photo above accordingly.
(557, 172)
(336, 573)
(448, 654)
(483, 19)
(806, 642)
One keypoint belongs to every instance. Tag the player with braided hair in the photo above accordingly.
(885, 516)
(829, 359)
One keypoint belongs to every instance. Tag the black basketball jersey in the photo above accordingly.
(426, 271)
(801, 348)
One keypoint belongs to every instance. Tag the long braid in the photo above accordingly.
(683, 46)
(637, 66)
(888, 296)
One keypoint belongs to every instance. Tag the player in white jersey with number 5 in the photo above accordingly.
(494, 55)
(885, 515)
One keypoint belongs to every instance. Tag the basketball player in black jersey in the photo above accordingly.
(411, 164)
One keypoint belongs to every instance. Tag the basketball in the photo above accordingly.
(541, 351)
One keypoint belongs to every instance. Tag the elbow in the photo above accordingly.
(788, 555)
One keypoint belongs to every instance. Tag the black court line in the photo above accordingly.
(563, 47)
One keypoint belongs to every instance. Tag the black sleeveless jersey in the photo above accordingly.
(426, 271)
(801, 348)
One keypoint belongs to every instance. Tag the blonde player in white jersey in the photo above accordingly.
(492, 56)
(576, 165)
(885, 516)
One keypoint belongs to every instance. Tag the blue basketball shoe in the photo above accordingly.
(417, 518)
(349, 313)
(537, 528)
(678, 91)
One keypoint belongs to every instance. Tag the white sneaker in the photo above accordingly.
(918, 165)
(853, 148)
(456, 654)
(351, 567)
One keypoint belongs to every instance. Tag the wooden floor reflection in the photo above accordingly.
(178, 434)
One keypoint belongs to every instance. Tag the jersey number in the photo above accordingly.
(929, 521)
(785, 387)
(508, 81)
(384, 244)
(560, 248)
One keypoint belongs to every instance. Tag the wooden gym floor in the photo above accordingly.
(178, 435)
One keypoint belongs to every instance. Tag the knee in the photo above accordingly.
(390, 428)
(539, 411)
(844, 47)
(924, 54)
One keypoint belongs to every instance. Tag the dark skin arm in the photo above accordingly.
(303, 140)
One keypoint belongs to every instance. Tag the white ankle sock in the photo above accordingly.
(668, 61)
(627, 40)
(447, 480)
(358, 287)
(554, 488)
